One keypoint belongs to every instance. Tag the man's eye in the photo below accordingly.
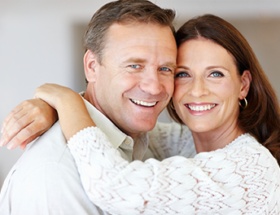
(182, 75)
(217, 74)
(135, 66)
(165, 69)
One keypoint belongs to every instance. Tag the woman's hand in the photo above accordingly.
(72, 113)
(55, 95)
(26, 122)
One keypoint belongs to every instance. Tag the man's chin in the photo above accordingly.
(144, 125)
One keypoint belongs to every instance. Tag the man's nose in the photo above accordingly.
(198, 88)
(151, 83)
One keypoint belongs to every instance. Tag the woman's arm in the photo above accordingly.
(240, 179)
(72, 113)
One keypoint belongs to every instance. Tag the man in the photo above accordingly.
(130, 57)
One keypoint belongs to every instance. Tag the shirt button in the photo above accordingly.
(127, 141)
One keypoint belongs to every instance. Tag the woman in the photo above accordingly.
(224, 97)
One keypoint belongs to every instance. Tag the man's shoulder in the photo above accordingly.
(41, 179)
(48, 150)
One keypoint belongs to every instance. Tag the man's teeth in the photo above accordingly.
(143, 103)
(201, 107)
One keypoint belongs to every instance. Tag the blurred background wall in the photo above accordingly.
(41, 41)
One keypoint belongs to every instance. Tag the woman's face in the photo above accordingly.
(207, 86)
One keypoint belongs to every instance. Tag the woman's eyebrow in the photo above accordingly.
(182, 67)
(209, 67)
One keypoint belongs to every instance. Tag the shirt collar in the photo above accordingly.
(115, 135)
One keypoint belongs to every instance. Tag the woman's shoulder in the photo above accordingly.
(245, 150)
(247, 143)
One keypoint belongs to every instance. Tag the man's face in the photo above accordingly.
(135, 80)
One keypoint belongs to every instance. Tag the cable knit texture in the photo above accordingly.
(242, 178)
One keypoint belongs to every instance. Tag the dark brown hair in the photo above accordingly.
(261, 118)
(125, 12)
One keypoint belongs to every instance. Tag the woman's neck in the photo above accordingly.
(213, 140)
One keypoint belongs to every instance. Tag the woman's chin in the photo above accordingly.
(200, 127)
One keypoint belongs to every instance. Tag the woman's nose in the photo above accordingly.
(198, 88)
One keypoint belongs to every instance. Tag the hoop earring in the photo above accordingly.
(246, 104)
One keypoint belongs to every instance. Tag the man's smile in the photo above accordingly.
(142, 103)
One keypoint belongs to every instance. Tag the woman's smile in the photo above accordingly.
(200, 109)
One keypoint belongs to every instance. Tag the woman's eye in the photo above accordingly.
(182, 75)
(216, 74)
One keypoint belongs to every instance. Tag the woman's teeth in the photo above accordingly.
(147, 104)
(201, 107)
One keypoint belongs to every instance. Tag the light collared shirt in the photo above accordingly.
(45, 180)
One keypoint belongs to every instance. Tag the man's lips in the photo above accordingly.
(200, 107)
(142, 103)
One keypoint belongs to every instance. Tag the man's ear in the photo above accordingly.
(90, 66)
(246, 79)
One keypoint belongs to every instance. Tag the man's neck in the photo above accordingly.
(91, 99)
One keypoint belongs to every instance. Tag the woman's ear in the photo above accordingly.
(90, 65)
(246, 79)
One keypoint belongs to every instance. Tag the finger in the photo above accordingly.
(26, 142)
(32, 110)
(18, 122)
(28, 133)
(19, 111)
(23, 145)
(10, 116)
(22, 136)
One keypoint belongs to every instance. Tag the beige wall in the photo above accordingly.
(40, 42)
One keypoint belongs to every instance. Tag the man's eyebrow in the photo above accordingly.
(171, 64)
(139, 60)
(135, 60)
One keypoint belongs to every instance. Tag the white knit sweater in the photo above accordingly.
(242, 178)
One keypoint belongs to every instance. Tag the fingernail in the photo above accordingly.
(10, 146)
(2, 129)
(2, 143)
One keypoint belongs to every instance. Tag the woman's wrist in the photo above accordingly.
(67, 100)
(73, 115)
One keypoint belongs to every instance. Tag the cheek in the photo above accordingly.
(180, 90)
(168, 84)
(228, 90)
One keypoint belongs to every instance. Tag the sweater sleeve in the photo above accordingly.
(235, 180)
